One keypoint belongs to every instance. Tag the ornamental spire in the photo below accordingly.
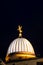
(20, 30)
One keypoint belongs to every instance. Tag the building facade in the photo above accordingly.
(21, 52)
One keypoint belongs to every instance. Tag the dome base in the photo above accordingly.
(19, 56)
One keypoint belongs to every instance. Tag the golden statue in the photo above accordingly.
(20, 30)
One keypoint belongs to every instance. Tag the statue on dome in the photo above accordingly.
(20, 30)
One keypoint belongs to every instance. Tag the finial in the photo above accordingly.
(20, 31)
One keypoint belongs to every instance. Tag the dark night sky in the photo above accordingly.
(27, 14)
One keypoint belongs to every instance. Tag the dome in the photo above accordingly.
(20, 45)
(20, 48)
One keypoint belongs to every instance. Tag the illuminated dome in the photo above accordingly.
(20, 45)
(20, 48)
